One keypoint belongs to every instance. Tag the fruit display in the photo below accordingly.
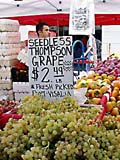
(111, 66)
(63, 130)
(8, 109)
(59, 131)
(104, 79)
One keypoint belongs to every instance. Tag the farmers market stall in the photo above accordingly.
(68, 129)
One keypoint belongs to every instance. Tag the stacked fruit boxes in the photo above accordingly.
(9, 49)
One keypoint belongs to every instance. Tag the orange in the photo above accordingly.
(114, 93)
(111, 77)
(117, 84)
(96, 100)
(107, 81)
(96, 93)
(97, 77)
(104, 89)
(118, 118)
(116, 88)
(93, 85)
(89, 93)
(104, 76)
(109, 106)
(114, 103)
(88, 101)
(112, 99)
(115, 111)
(96, 74)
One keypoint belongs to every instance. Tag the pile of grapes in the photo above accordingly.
(59, 131)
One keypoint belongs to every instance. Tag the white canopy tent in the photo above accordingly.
(32, 11)
(10, 8)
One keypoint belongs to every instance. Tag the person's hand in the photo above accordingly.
(85, 54)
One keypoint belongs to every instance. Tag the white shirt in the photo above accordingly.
(92, 43)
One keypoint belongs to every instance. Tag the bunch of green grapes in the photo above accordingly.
(110, 122)
(43, 131)
(36, 153)
(1, 147)
(65, 150)
(58, 131)
(14, 139)
(38, 105)
(33, 104)
(84, 144)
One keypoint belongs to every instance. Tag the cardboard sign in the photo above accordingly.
(82, 20)
(51, 67)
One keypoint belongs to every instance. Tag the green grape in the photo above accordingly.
(58, 130)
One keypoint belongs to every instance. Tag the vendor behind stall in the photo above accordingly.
(91, 51)
(42, 30)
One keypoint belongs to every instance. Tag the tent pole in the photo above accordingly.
(51, 4)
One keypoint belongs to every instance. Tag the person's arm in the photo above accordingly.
(88, 50)
(89, 46)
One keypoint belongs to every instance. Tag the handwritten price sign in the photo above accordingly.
(50, 66)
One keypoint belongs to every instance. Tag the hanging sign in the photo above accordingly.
(82, 20)
(50, 67)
